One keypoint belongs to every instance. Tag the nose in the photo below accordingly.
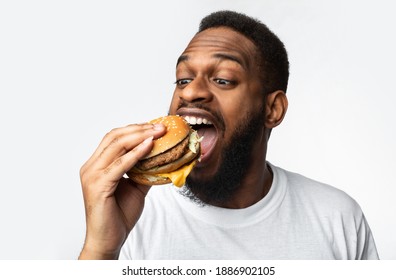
(197, 91)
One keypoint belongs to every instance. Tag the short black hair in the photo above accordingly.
(274, 63)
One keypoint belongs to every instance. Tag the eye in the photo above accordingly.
(182, 82)
(223, 82)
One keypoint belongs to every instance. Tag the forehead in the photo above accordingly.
(223, 40)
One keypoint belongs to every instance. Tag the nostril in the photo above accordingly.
(197, 100)
(192, 101)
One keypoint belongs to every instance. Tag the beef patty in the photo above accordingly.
(164, 158)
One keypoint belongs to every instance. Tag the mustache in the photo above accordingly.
(218, 118)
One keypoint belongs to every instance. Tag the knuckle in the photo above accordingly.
(82, 171)
(107, 170)
(118, 162)
(114, 141)
(111, 134)
(83, 175)
(88, 178)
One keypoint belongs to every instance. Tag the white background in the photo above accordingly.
(72, 70)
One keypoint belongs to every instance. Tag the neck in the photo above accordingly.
(258, 179)
(253, 189)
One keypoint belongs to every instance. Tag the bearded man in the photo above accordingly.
(231, 84)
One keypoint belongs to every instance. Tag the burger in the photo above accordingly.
(172, 157)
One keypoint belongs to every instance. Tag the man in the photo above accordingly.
(233, 76)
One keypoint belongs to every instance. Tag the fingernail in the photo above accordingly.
(148, 140)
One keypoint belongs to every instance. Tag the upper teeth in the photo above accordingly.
(197, 120)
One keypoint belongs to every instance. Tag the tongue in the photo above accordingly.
(209, 138)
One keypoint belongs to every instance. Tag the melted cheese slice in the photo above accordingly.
(178, 177)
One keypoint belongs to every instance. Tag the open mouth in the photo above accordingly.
(207, 130)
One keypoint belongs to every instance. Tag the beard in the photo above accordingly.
(236, 157)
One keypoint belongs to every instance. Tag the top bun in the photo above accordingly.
(177, 129)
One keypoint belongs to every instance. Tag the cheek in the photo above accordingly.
(238, 107)
(236, 110)
(233, 110)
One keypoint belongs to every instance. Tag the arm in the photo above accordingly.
(113, 204)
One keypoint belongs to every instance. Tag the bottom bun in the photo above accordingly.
(148, 179)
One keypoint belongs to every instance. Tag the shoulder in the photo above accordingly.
(309, 193)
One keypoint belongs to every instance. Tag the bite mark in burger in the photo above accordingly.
(173, 155)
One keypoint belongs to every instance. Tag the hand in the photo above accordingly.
(113, 204)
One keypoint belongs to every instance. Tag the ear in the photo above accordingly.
(275, 108)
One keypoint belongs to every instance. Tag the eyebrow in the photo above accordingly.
(221, 56)
(181, 59)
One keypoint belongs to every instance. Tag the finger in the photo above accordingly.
(108, 138)
(122, 144)
(118, 132)
(121, 140)
(124, 163)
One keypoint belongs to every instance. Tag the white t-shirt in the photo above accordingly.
(298, 219)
